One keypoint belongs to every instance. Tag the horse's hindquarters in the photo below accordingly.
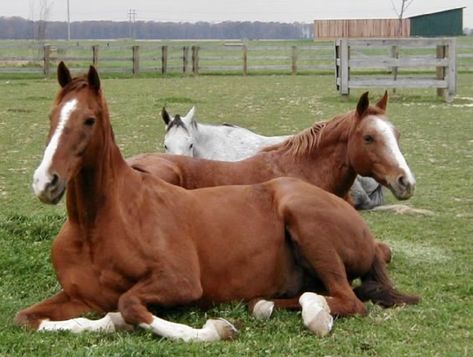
(242, 246)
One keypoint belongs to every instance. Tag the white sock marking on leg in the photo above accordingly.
(316, 314)
(79, 325)
(263, 309)
(211, 331)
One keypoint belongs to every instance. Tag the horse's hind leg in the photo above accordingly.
(327, 265)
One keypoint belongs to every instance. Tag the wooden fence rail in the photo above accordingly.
(233, 57)
(181, 59)
(435, 56)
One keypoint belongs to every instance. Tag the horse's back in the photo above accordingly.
(234, 143)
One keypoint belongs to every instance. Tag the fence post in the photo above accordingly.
(195, 59)
(451, 70)
(441, 52)
(136, 59)
(164, 59)
(337, 64)
(46, 59)
(95, 55)
(185, 58)
(344, 50)
(245, 60)
(294, 60)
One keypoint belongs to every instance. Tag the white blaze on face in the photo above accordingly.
(387, 130)
(42, 176)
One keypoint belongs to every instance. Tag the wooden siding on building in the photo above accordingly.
(332, 29)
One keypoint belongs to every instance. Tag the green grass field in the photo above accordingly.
(432, 254)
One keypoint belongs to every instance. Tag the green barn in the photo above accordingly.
(442, 23)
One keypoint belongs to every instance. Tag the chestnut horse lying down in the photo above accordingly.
(329, 155)
(125, 246)
(226, 142)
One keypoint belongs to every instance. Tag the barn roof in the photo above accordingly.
(436, 12)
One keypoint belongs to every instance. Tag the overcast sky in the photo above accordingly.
(222, 10)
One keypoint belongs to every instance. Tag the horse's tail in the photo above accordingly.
(377, 287)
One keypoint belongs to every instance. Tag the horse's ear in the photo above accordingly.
(382, 103)
(93, 79)
(63, 74)
(363, 104)
(191, 114)
(165, 115)
(189, 118)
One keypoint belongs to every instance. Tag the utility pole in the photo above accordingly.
(131, 20)
(68, 22)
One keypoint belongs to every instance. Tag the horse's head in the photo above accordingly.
(74, 120)
(373, 148)
(180, 133)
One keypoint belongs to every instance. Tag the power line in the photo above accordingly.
(68, 22)
(131, 21)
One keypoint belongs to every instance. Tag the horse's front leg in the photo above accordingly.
(133, 306)
(57, 307)
(59, 312)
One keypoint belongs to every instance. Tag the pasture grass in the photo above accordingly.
(432, 254)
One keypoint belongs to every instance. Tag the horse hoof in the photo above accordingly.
(321, 324)
(224, 329)
(316, 314)
(263, 309)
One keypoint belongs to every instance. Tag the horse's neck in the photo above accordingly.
(208, 142)
(97, 183)
(327, 166)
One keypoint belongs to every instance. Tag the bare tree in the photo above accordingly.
(400, 11)
(32, 11)
(44, 12)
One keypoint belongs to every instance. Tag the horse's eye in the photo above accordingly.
(165, 147)
(191, 146)
(368, 139)
(89, 121)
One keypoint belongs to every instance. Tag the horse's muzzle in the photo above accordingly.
(402, 187)
(52, 191)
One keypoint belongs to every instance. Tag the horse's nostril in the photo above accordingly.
(402, 181)
(54, 180)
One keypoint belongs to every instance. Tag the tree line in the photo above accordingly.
(20, 28)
